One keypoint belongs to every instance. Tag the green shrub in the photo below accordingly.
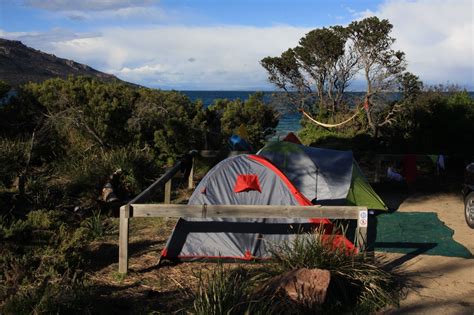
(434, 122)
(357, 285)
(222, 291)
(84, 176)
(65, 295)
(337, 138)
(98, 226)
(12, 159)
(4, 88)
(40, 263)
(258, 118)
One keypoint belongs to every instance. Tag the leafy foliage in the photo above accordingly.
(259, 119)
(46, 278)
(98, 226)
(434, 121)
(4, 88)
(323, 62)
(221, 291)
(326, 61)
(357, 284)
(12, 159)
(66, 137)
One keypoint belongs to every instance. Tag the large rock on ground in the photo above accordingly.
(306, 286)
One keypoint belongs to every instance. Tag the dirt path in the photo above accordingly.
(445, 285)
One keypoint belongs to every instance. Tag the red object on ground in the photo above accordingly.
(291, 137)
(340, 242)
(409, 171)
(247, 182)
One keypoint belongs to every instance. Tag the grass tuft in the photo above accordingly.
(98, 226)
(358, 285)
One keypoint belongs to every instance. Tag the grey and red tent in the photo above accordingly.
(240, 180)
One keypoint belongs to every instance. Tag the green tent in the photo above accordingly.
(328, 177)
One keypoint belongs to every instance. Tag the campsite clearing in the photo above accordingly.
(443, 285)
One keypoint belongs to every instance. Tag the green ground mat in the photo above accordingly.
(416, 233)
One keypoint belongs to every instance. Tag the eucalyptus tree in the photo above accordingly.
(323, 64)
(382, 67)
(327, 60)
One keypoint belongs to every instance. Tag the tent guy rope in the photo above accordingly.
(329, 125)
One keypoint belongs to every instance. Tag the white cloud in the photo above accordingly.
(437, 37)
(225, 57)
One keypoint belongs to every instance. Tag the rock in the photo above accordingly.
(306, 286)
(108, 194)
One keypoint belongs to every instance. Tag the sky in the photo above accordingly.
(217, 44)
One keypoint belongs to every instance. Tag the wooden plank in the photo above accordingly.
(147, 193)
(191, 176)
(168, 191)
(125, 213)
(245, 211)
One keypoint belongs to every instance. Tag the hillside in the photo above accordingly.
(21, 64)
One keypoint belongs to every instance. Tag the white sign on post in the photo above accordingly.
(363, 218)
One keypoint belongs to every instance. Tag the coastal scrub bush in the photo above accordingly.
(86, 112)
(258, 118)
(12, 159)
(4, 88)
(40, 263)
(99, 110)
(437, 120)
(358, 285)
(84, 176)
(21, 115)
(348, 137)
(98, 226)
(167, 122)
(222, 291)
(238, 291)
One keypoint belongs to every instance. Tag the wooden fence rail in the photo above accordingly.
(237, 211)
(137, 208)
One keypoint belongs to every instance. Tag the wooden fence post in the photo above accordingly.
(361, 234)
(123, 238)
(168, 191)
(191, 176)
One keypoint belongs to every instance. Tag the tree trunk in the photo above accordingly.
(368, 108)
(321, 98)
